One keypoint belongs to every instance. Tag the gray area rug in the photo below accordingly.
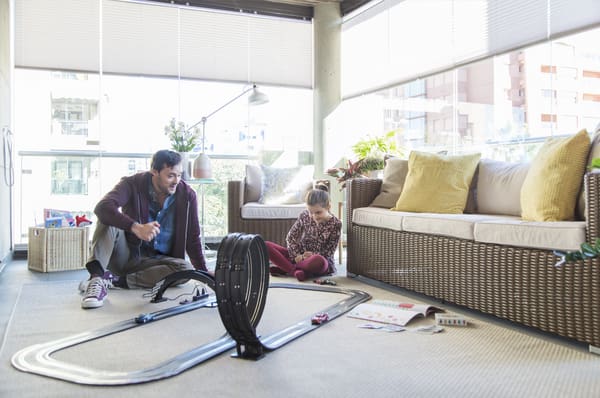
(337, 360)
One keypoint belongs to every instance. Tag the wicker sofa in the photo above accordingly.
(511, 281)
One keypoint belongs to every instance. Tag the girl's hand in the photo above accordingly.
(307, 254)
(298, 258)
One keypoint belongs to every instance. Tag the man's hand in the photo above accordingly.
(307, 254)
(298, 258)
(146, 231)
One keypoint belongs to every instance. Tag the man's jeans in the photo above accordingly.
(110, 248)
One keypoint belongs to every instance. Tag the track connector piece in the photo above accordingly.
(253, 351)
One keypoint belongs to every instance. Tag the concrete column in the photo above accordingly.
(327, 24)
(6, 38)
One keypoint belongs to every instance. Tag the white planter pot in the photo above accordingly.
(202, 168)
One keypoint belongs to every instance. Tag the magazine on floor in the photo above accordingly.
(391, 312)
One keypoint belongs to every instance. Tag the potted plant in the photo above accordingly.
(183, 141)
(343, 174)
(371, 166)
(377, 146)
(371, 152)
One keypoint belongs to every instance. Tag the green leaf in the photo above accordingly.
(588, 251)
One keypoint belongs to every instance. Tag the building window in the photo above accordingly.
(567, 97)
(566, 73)
(591, 74)
(547, 93)
(548, 69)
(69, 177)
(70, 116)
(591, 97)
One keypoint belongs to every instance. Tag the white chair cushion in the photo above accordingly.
(255, 210)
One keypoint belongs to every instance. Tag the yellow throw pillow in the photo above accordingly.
(549, 192)
(437, 183)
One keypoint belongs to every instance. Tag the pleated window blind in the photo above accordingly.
(133, 37)
(396, 41)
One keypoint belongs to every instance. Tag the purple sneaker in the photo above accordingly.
(108, 279)
(95, 293)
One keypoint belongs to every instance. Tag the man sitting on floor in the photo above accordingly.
(146, 224)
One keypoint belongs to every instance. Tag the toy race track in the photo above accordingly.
(240, 284)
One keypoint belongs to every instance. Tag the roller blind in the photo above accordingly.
(164, 40)
(425, 37)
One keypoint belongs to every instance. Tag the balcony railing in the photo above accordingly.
(101, 171)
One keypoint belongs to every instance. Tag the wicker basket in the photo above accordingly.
(57, 249)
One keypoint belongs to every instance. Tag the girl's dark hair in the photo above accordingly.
(319, 195)
(165, 158)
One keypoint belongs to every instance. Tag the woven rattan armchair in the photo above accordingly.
(271, 229)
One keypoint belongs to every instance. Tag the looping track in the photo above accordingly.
(241, 283)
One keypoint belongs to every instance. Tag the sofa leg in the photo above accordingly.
(594, 349)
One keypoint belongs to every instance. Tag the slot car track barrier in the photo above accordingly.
(240, 284)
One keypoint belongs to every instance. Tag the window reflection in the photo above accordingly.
(503, 107)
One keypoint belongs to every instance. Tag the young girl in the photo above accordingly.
(311, 242)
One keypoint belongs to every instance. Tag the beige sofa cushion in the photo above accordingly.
(471, 206)
(497, 229)
(453, 225)
(553, 182)
(499, 187)
(378, 217)
(563, 235)
(394, 175)
(252, 183)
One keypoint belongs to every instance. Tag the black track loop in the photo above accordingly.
(241, 284)
(224, 254)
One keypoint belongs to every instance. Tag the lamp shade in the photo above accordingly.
(202, 167)
(257, 98)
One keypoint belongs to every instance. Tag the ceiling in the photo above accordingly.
(304, 2)
(297, 9)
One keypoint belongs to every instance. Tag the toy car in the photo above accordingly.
(319, 318)
(325, 282)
